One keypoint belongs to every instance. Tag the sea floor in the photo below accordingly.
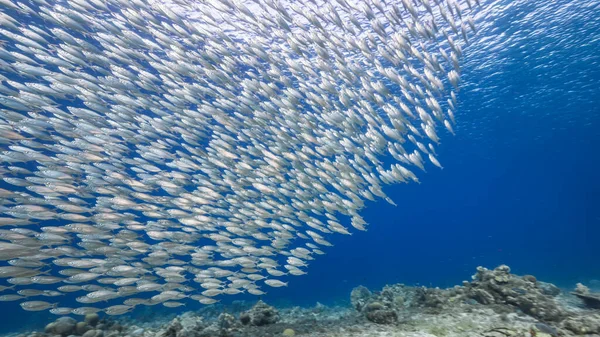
(495, 304)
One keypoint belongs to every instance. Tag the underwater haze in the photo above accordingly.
(518, 180)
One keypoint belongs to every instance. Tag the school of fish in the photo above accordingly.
(153, 152)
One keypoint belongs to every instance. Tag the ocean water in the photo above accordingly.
(520, 183)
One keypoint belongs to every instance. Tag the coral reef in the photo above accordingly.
(495, 303)
(260, 314)
(190, 325)
(359, 297)
(91, 326)
(583, 325)
(377, 312)
(498, 290)
(499, 286)
(63, 326)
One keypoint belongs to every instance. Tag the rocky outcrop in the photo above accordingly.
(499, 286)
(63, 326)
(359, 297)
(92, 319)
(548, 288)
(377, 312)
(590, 300)
(260, 314)
(378, 307)
(583, 325)
(189, 325)
(89, 327)
(495, 303)
(432, 298)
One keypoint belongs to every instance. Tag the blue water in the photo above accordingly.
(519, 185)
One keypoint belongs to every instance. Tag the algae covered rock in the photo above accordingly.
(225, 326)
(359, 297)
(172, 329)
(583, 325)
(226, 321)
(482, 296)
(260, 314)
(377, 312)
(81, 328)
(430, 297)
(502, 332)
(49, 328)
(505, 332)
(64, 326)
(245, 318)
(543, 330)
(289, 332)
(379, 307)
(186, 325)
(190, 325)
(384, 306)
(500, 287)
(93, 333)
(89, 333)
(548, 288)
(92, 319)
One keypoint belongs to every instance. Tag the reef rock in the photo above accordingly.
(583, 325)
(289, 333)
(502, 332)
(543, 330)
(186, 325)
(591, 300)
(359, 297)
(93, 333)
(226, 321)
(380, 307)
(499, 286)
(482, 296)
(548, 288)
(63, 326)
(190, 325)
(172, 330)
(377, 312)
(433, 298)
(81, 328)
(92, 319)
(260, 314)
